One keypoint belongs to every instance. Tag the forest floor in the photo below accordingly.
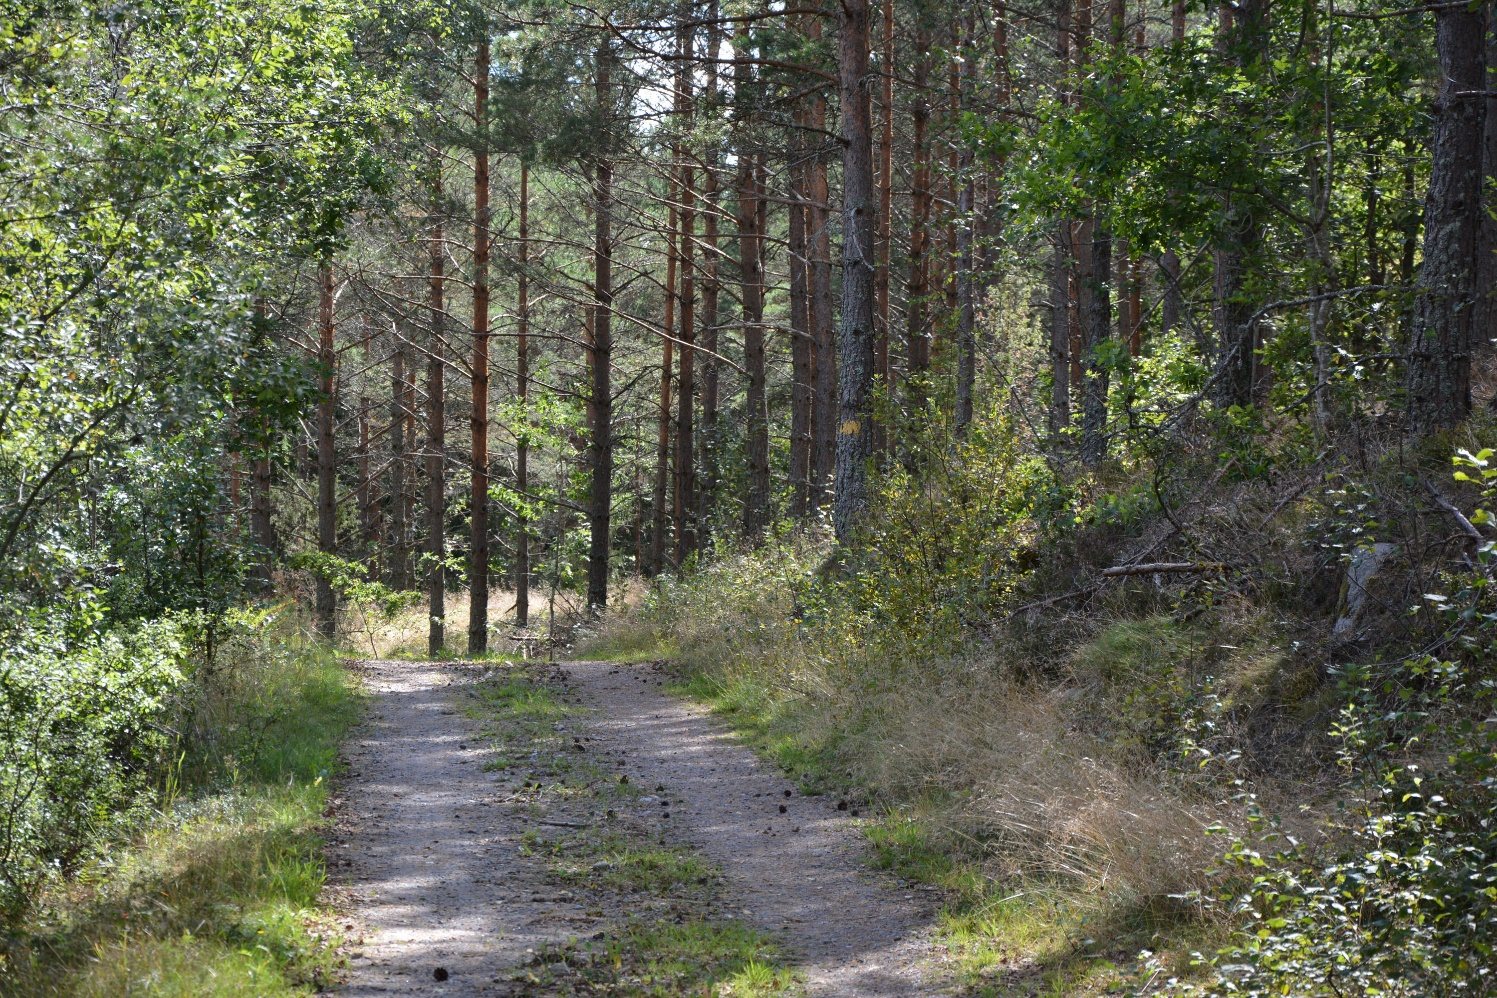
(572, 829)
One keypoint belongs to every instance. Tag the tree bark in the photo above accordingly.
(398, 547)
(882, 370)
(685, 526)
(917, 330)
(704, 502)
(522, 393)
(1484, 325)
(659, 516)
(819, 319)
(327, 466)
(855, 368)
(1097, 330)
(436, 426)
(478, 573)
(966, 316)
(751, 292)
(801, 350)
(1245, 36)
(1060, 328)
(600, 450)
(1439, 379)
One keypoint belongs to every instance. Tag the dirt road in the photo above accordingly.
(435, 858)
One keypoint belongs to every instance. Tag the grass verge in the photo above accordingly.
(216, 894)
(671, 935)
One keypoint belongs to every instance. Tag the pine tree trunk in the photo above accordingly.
(704, 501)
(327, 466)
(522, 393)
(600, 449)
(1097, 330)
(685, 527)
(820, 317)
(1060, 328)
(917, 330)
(882, 370)
(478, 572)
(856, 340)
(663, 416)
(966, 222)
(1440, 349)
(436, 426)
(398, 526)
(801, 353)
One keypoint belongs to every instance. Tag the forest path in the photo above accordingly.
(429, 854)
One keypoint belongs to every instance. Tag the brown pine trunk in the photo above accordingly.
(801, 354)
(1484, 324)
(1060, 328)
(365, 496)
(436, 426)
(600, 442)
(327, 467)
(711, 208)
(917, 333)
(819, 318)
(522, 392)
(882, 371)
(966, 222)
(751, 290)
(398, 547)
(478, 572)
(1245, 37)
(856, 339)
(685, 528)
(1097, 329)
(1440, 349)
(663, 417)
(685, 482)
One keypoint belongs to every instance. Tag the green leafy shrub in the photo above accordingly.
(83, 728)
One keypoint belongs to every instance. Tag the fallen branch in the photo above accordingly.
(1467, 527)
(1163, 568)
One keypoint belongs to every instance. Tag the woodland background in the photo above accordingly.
(1036, 416)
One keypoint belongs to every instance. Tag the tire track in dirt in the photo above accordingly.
(793, 863)
(425, 853)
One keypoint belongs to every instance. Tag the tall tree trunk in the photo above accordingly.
(819, 319)
(600, 449)
(436, 425)
(478, 574)
(1245, 38)
(522, 392)
(365, 495)
(1440, 349)
(801, 352)
(1172, 304)
(1060, 328)
(1097, 330)
(327, 464)
(855, 375)
(711, 208)
(881, 367)
(917, 334)
(1484, 324)
(660, 517)
(751, 284)
(685, 532)
(966, 295)
(399, 528)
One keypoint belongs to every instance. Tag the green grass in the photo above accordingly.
(217, 895)
(1003, 935)
(673, 938)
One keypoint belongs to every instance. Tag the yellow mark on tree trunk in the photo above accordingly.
(849, 428)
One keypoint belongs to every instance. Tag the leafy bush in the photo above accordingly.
(82, 730)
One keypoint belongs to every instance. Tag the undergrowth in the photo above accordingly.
(213, 890)
(1246, 776)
